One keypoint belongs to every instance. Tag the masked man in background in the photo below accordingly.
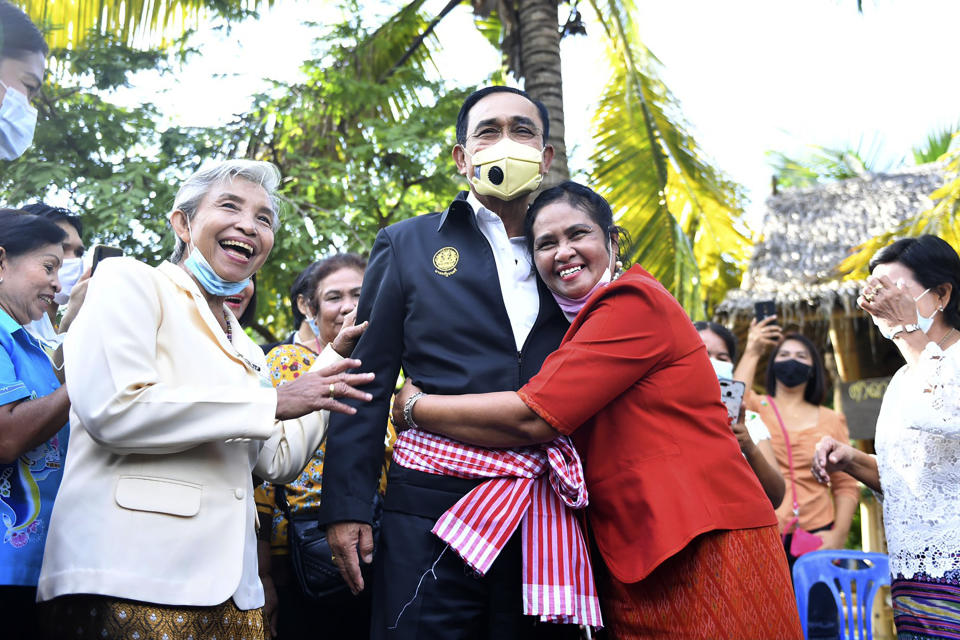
(453, 299)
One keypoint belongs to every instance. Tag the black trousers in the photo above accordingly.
(18, 611)
(450, 601)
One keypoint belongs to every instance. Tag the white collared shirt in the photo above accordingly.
(518, 284)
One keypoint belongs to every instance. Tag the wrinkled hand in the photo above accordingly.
(887, 302)
(311, 391)
(408, 389)
(350, 332)
(77, 295)
(830, 456)
(763, 335)
(346, 539)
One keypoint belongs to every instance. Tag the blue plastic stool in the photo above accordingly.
(818, 566)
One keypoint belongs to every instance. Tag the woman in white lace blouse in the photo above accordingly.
(911, 295)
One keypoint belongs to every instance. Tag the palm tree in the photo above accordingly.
(133, 20)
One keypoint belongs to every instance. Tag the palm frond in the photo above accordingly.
(135, 21)
(685, 217)
(937, 144)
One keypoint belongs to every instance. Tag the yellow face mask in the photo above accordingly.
(506, 170)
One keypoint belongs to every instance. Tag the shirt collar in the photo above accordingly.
(7, 323)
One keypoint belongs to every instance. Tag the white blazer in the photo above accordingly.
(167, 422)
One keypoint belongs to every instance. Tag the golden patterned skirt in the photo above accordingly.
(92, 617)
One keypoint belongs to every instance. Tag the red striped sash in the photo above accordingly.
(535, 488)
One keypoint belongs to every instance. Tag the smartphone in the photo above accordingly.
(764, 308)
(731, 393)
(102, 252)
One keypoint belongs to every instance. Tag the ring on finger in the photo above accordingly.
(333, 390)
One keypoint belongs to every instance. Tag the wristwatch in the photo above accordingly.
(904, 328)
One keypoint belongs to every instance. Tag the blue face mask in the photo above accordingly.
(197, 265)
(313, 326)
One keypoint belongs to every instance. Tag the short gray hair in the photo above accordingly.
(195, 188)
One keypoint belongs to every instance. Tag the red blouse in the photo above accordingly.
(633, 383)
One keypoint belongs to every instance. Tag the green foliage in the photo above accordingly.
(936, 145)
(685, 217)
(132, 22)
(110, 163)
(361, 142)
(824, 164)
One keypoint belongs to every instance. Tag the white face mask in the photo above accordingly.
(69, 274)
(723, 369)
(18, 120)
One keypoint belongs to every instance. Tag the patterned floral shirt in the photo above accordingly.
(286, 363)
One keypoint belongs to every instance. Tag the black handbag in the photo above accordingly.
(310, 552)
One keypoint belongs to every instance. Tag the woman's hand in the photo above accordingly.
(743, 435)
(763, 335)
(887, 302)
(77, 296)
(318, 390)
(831, 539)
(346, 340)
(407, 390)
(829, 456)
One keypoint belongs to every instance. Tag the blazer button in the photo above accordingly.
(239, 494)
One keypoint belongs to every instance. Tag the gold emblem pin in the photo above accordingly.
(445, 261)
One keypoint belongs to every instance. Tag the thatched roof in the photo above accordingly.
(807, 232)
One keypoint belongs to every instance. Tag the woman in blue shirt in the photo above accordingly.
(34, 411)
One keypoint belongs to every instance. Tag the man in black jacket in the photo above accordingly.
(451, 297)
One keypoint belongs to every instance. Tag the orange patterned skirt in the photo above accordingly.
(92, 617)
(723, 584)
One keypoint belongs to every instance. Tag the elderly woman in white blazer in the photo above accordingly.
(153, 531)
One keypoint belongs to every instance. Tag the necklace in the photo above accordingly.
(229, 331)
(943, 340)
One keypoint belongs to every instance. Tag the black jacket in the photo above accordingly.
(432, 295)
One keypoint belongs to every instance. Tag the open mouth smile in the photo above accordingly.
(238, 248)
(568, 272)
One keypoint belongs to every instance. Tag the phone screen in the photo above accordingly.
(731, 393)
(764, 308)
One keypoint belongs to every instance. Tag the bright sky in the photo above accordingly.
(751, 75)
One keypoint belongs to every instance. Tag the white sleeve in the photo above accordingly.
(756, 427)
(293, 443)
(932, 392)
(117, 391)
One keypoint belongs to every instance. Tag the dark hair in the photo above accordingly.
(583, 198)
(19, 37)
(55, 214)
(21, 232)
(816, 387)
(310, 278)
(246, 318)
(480, 94)
(722, 332)
(933, 263)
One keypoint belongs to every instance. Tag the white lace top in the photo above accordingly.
(918, 455)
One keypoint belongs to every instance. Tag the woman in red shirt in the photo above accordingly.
(688, 541)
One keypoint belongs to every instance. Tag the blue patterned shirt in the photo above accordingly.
(29, 485)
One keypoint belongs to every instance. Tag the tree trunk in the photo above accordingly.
(540, 68)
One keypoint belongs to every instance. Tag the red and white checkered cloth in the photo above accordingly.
(536, 487)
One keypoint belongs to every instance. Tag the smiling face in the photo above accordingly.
(335, 297)
(495, 116)
(233, 228)
(571, 252)
(26, 75)
(29, 282)
(238, 303)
